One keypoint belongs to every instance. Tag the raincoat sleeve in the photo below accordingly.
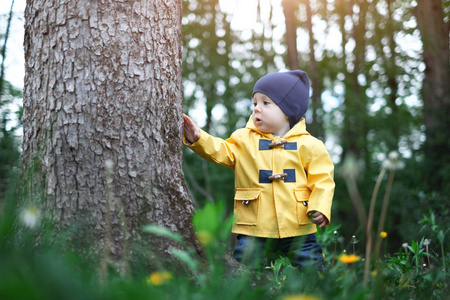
(320, 170)
(214, 149)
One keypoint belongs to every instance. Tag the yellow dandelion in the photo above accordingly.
(323, 254)
(204, 237)
(383, 234)
(374, 273)
(300, 297)
(158, 278)
(349, 258)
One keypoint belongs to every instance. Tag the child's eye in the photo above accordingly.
(266, 102)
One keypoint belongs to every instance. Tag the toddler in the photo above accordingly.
(283, 175)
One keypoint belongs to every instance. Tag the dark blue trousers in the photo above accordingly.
(258, 252)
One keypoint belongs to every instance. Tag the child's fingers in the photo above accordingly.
(187, 121)
(318, 218)
(190, 129)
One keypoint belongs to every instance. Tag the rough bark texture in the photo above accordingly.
(103, 82)
(435, 91)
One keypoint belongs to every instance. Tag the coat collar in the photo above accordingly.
(297, 130)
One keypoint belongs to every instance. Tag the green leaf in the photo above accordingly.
(211, 218)
(164, 232)
(441, 236)
(184, 257)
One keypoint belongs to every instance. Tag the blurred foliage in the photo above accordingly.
(49, 269)
(10, 123)
(10, 115)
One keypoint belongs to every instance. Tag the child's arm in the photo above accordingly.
(191, 131)
(320, 170)
(214, 149)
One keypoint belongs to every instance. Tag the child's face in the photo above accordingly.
(268, 117)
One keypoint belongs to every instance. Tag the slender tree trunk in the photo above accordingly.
(3, 50)
(435, 91)
(289, 9)
(315, 127)
(391, 67)
(355, 128)
(350, 135)
(103, 84)
(359, 90)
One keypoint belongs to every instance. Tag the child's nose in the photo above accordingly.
(257, 108)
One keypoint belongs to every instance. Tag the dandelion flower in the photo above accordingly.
(323, 254)
(350, 167)
(300, 297)
(393, 155)
(30, 216)
(426, 242)
(392, 162)
(349, 258)
(405, 246)
(204, 237)
(158, 278)
(383, 234)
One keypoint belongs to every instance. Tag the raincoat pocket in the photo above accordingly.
(246, 206)
(302, 197)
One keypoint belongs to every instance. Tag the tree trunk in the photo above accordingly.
(391, 72)
(103, 84)
(435, 91)
(349, 134)
(289, 9)
(355, 128)
(315, 128)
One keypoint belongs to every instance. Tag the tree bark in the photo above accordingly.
(435, 91)
(103, 83)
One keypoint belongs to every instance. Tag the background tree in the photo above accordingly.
(434, 30)
(290, 8)
(9, 142)
(103, 84)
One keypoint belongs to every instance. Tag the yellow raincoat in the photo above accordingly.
(275, 207)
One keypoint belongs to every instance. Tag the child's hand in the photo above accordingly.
(318, 218)
(191, 130)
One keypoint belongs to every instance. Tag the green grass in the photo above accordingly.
(51, 271)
